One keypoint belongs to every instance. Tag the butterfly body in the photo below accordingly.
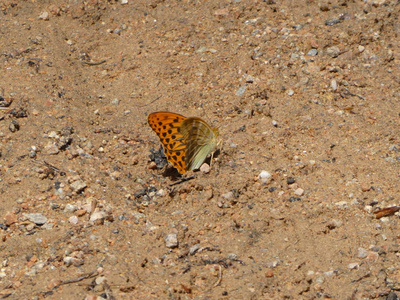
(187, 141)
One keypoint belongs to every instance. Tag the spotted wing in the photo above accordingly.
(201, 140)
(166, 125)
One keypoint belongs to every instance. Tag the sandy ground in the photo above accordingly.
(305, 95)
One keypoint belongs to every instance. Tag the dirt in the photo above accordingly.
(305, 95)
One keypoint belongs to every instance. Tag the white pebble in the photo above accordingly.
(70, 208)
(334, 85)
(227, 196)
(73, 220)
(78, 186)
(330, 273)
(362, 252)
(100, 280)
(299, 192)
(98, 216)
(341, 204)
(161, 193)
(51, 149)
(353, 266)
(264, 176)
(36, 218)
(171, 240)
(44, 16)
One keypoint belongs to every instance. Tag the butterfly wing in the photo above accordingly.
(166, 125)
(201, 140)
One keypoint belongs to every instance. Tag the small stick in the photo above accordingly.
(182, 180)
(387, 211)
(219, 277)
(94, 63)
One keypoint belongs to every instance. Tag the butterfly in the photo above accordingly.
(186, 141)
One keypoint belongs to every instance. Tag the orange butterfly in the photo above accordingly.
(187, 141)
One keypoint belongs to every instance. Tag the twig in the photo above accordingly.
(152, 101)
(182, 180)
(55, 169)
(387, 211)
(219, 277)
(90, 63)
(90, 275)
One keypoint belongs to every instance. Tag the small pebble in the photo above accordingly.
(228, 196)
(365, 187)
(274, 264)
(194, 249)
(341, 204)
(290, 180)
(152, 166)
(332, 22)
(264, 176)
(274, 123)
(334, 224)
(294, 199)
(333, 85)
(14, 126)
(232, 256)
(44, 16)
(222, 12)
(333, 51)
(70, 208)
(51, 149)
(98, 217)
(73, 220)
(299, 192)
(53, 134)
(241, 90)
(362, 252)
(80, 212)
(269, 274)
(205, 168)
(330, 273)
(161, 193)
(319, 279)
(372, 256)
(100, 280)
(78, 186)
(10, 218)
(312, 52)
(36, 218)
(353, 266)
(171, 240)
(208, 194)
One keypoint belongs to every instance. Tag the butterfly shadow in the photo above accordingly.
(172, 173)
